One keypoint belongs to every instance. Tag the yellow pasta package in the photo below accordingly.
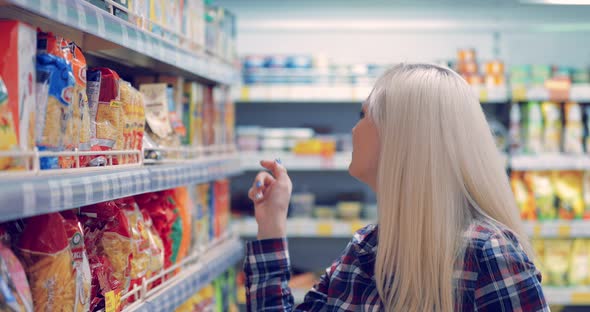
(579, 267)
(46, 256)
(557, 260)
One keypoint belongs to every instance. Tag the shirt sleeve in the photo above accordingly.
(507, 280)
(267, 269)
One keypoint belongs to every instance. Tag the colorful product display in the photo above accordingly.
(82, 260)
(551, 195)
(563, 262)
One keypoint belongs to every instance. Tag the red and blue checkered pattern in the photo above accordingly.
(496, 275)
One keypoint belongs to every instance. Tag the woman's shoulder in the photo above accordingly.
(365, 239)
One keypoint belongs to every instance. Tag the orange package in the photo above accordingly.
(17, 70)
(184, 204)
(222, 209)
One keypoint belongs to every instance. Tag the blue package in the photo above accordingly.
(55, 83)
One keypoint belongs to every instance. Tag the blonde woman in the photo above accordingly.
(449, 236)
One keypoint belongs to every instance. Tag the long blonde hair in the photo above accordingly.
(439, 173)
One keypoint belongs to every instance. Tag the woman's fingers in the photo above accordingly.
(261, 183)
(276, 167)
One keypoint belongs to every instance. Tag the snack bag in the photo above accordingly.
(105, 111)
(139, 120)
(586, 194)
(156, 249)
(8, 139)
(183, 204)
(552, 123)
(47, 259)
(204, 225)
(523, 195)
(55, 83)
(539, 249)
(162, 209)
(125, 141)
(141, 252)
(574, 129)
(157, 117)
(557, 260)
(568, 187)
(110, 245)
(15, 294)
(544, 195)
(222, 210)
(208, 117)
(533, 128)
(17, 105)
(579, 264)
(80, 260)
(514, 131)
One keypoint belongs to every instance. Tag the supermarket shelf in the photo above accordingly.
(567, 295)
(338, 93)
(558, 229)
(306, 227)
(550, 162)
(339, 162)
(196, 272)
(100, 33)
(28, 196)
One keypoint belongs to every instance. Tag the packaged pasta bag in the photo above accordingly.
(45, 253)
(156, 251)
(162, 209)
(533, 128)
(15, 294)
(55, 82)
(80, 260)
(542, 187)
(139, 120)
(105, 111)
(579, 266)
(523, 195)
(568, 187)
(557, 259)
(78, 127)
(141, 252)
(552, 127)
(110, 244)
(574, 129)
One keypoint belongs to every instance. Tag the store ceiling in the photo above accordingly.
(266, 14)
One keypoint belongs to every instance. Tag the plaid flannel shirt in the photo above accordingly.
(495, 276)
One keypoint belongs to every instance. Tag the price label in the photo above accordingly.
(46, 6)
(537, 229)
(88, 189)
(580, 298)
(355, 226)
(62, 11)
(125, 35)
(519, 93)
(55, 195)
(325, 229)
(564, 230)
(82, 24)
(101, 28)
(105, 188)
(29, 199)
(245, 96)
(68, 194)
(483, 95)
(112, 301)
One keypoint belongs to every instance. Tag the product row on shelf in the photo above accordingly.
(563, 262)
(315, 78)
(58, 113)
(195, 25)
(111, 254)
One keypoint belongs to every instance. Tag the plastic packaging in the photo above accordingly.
(541, 185)
(15, 294)
(80, 260)
(574, 129)
(55, 82)
(568, 186)
(579, 266)
(46, 256)
(523, 195)
(533, 128)
(557, 260)
(553, 127)
(8, 139)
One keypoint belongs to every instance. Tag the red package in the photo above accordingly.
(109, 244)
(222, 207)
(161, 208)
(45, 253)
(106, 111)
